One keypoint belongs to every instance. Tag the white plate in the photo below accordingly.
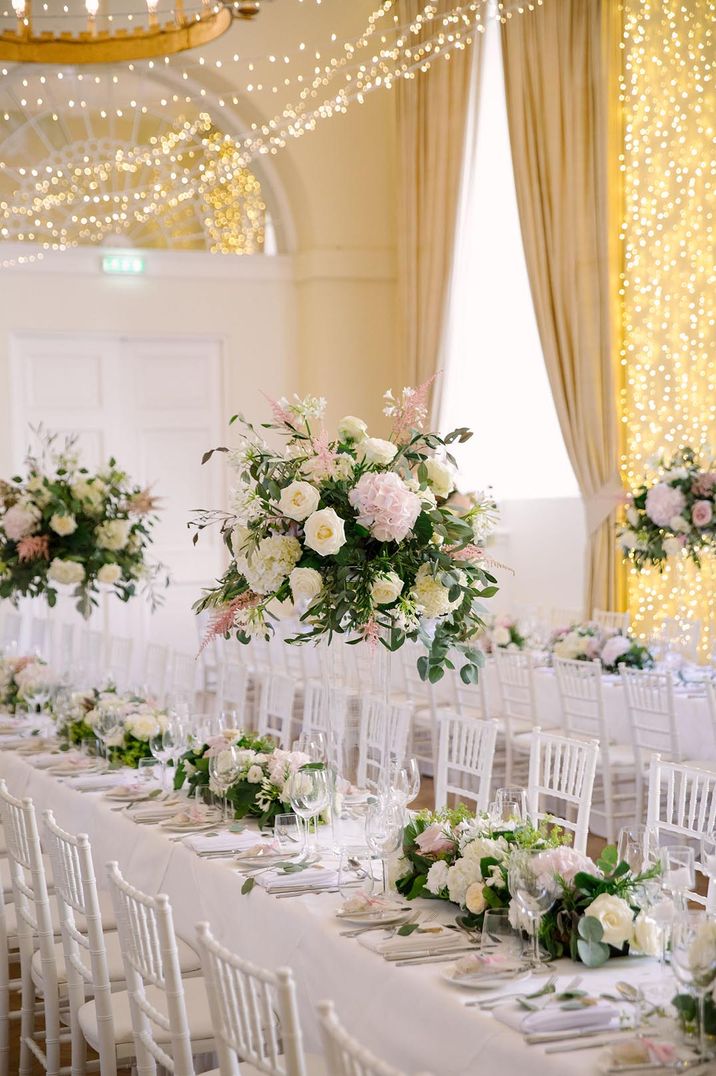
(487, 979)
(122, 795)
(268, 859)
(188, 827)
(384, 915)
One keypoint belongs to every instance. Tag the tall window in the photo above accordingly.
(496, 379)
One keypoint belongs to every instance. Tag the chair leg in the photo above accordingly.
(27, 1020)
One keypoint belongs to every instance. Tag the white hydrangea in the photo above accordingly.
(113, 534)
(65, 571)
(437, 877)
(90, 493)
(270, 562)
(430, 595)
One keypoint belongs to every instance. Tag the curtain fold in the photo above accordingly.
(432, 111)
(557, 80)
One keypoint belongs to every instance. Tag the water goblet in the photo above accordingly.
(160, 753)
(693, 961)
(534, 891)
(224, 768)
(499, 936)
(638, 846)
(355, 871)
(287, 833)
(511, 805)
(384, 830)
(308, 794)
(313, 744)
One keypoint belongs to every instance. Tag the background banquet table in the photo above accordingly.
(410, 1015)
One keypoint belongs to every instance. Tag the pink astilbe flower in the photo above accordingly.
(325, 456)
(280, 411)
(224, 618)
(470, 552)
(371, 632)
(33, 547)
(411, 411)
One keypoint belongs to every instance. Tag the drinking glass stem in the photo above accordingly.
(702, 1023)
(535, 944)
(384, 867)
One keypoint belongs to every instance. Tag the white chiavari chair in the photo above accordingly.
(652, 716)
(170, 1018)
(120, 661)
(276, 699)
(325, 710)
(183, 677)
(681, 808)
(518, 712)
(232, 688)
(256, 1021)
(466, 750)
(564, 618)
(155, 669)
(381, 726)
(345, 1056)
(609, 620)
(11, 628)
(581, 696)
(561, 776)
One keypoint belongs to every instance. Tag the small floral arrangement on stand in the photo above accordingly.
(25, 681)
(61, 525)
(136, 721)
(586, 642)
(674, 515)
(354, 535)
(504, 632)
(264, 771)
(465, 859)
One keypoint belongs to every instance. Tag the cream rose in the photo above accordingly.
(386, 588)
(616, 917)
(325, 532)
(298, 500)
(63, 524)
(306, 584)
(647, 935)
(113, 534)
(351, 428)
(474, 898)
(109, 573)
(376, 450)
(440, 477)
(65, 571)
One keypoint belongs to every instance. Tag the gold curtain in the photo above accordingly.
(432, 115)
(557, 77)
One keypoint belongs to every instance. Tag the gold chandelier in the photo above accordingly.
(146, 35)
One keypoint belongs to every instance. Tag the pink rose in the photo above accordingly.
(704, 484)
(434, 840)
(385, 505)
(702, 513)
(663, 502)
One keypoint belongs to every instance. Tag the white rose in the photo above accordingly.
(678, 523)
(351, 428)
(440, 477)
(647, 935)
(501, 636)
(616, 917)
(376, 450)
(113, 534)
(255, 775)
(63, 524)
(325, 532)
(109, 573)
(437, 877)
(306, 584)
(298, 500)
(65, 571)
(474, 898)
(142, 726)
(386, 588)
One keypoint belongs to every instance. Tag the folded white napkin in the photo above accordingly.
(97, 782)
(156, 811)
(222, 842)
(597, 1017)
(312, 878)
(434, 936)
(47, 758)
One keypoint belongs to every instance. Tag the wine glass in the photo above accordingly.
(405, 780)
(308, 794)
(224, 768)
(355, 871)
(693, 960)
(534, 891)
(499, 936)
(638, 846)
(160, 753)
(106, 726)
(384, 830)
(313, 744)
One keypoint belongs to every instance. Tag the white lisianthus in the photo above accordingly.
(430, 595)
(616, 917)
(255, 775)
(109, 573)
(440, 477)
(437, 877)
(376, 450)
(325, 532)
(386, 588)
(90, 493)
(298, 500)
(474, 898)
(270, 563)
(647, 935)
(501, 636)
(65, 571)
(63, 524)
(672, 547)
(351, 428)
(306, 584)
(113, 534)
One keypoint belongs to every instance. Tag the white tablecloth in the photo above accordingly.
(409, 1015)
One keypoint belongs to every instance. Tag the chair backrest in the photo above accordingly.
(466, 751)
(381, 726)
(652, 716)
(232, 686)
(345, 1056)
(276, 707)
(120, 660)
(682, 805)
(155, 668)
(580, 692)
(34, 918)
(515, 675)
(325, 709)
(254, 1012)
(149, 953)
(85, 953)
(562, 772)
(609, 620)
(468, 700)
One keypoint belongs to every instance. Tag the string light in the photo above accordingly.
(668, 288)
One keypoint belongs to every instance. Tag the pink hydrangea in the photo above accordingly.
(385, 505)
(19, 522)
(434, 840)
(702, 513)
(564, 861)
(663, 502)
(614, 648)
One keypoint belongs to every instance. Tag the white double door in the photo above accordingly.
(155, 406)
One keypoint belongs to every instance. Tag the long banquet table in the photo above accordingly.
(409, 1015)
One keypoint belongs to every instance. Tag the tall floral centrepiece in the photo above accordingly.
(62, 525)
(354, 535)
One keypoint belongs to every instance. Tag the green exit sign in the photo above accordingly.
(123, 264)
